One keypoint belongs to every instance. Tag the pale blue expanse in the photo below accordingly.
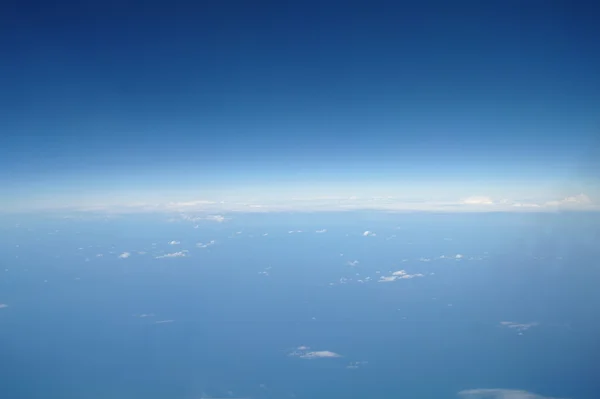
(79, 325)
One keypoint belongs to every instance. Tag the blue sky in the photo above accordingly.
(261, 102)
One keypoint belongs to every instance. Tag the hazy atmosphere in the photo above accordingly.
(307, 200)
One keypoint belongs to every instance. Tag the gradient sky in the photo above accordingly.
(124, 101)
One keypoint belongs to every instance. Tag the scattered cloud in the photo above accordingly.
(125, 255)
(500, 394)
(294, 231)
(353, 263)
(368, 234)
(458, 256)
(321, 231)
(174, 242)
(179, 254)
(144, 315)
(3, 306)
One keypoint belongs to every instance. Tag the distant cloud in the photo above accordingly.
(3, 305)
(368, 234)
(304, 352)
(519, 327)
(500, 394)
(458, 256)
(397, 275)
(206, 245)
(164, 321)
(321, 231)
(210, 218)
(125, 255)
(179, 254)
(353, 263)
(174, 242)
(144, 315)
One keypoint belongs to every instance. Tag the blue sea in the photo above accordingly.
(277, 305)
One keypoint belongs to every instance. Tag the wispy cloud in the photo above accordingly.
(368, 234)
(174, 242)
(164, 321)
(179, 254)
(124, 255)
(304, 352)
(321, 231)
(353, 263)
(3, 305)
(397, 275)
(500, 394)
(519, 327)
(206, 245)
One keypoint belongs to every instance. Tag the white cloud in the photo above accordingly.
(144, 315)
(500, 394)
(208, 210)
(304, 352)
(397, 275)
(206, 245)
(458, 256)
(174, 242)
(179, 254)
(125, 255)
(321, 231)
(3, 305)
(353, 263)
(368, 234)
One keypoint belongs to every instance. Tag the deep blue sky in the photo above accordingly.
(134, 97)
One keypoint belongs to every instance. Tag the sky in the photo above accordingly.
(253, 105)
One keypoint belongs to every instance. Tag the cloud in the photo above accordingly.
(321, 231)
(179, 254)
(125, 255)
(215, 210)
(397, 275)
(206, 245)
(144, 315)
(500, 394)
(368, 234)
(210, 218)
(3, 306)
(353, 263)
(304, 352)
(174, 242)
(519, 327)
(164, 321)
